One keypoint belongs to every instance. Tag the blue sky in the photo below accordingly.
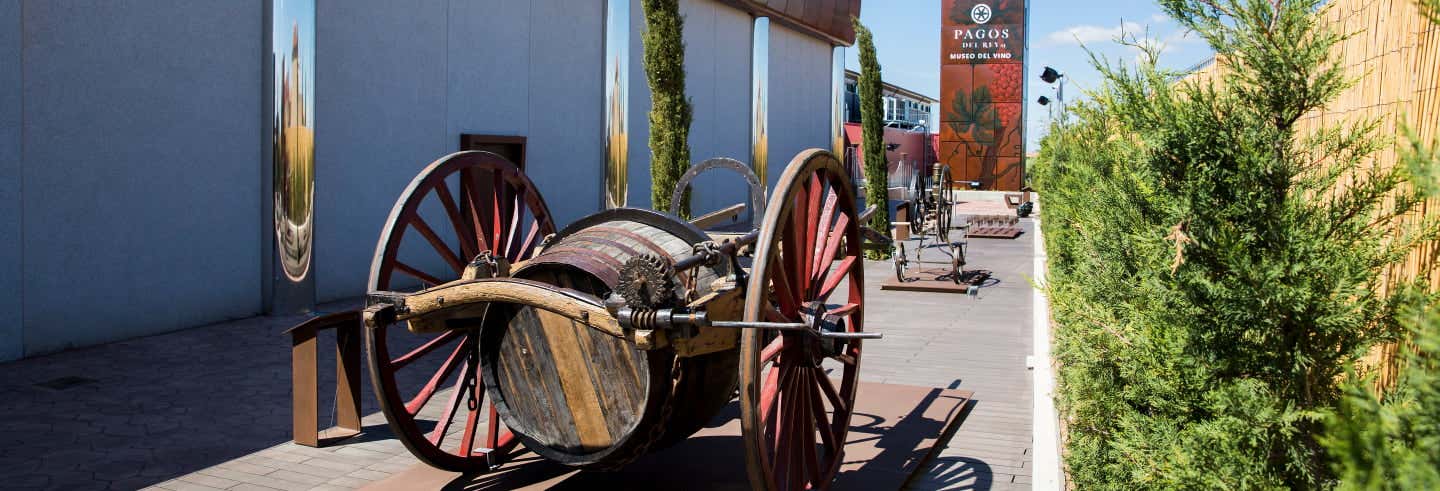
(907, 41)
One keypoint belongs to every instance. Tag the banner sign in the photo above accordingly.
(982, 107)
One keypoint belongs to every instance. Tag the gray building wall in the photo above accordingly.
(130, 159)
(398, 83)
(566, 120)
(141, 204)
(380, 104)
(12, 343)
(717, 79)
(799, 96)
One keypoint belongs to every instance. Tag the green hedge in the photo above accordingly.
(1214, 273)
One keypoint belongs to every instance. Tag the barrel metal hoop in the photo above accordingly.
(606, 268)
(644, 241)
(596, 238)
(674, 226)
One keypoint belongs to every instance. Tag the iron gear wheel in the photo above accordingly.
(646, 281)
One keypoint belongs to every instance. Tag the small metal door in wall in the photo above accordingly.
(510, 147)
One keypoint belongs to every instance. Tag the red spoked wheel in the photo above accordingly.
(798, 389)
(458, 207)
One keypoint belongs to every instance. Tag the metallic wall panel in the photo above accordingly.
(837, 101)
(291, 145)
(11, 333)
(617, 99)
(760, 98)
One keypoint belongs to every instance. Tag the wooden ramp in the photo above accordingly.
(896, 430)
(938, 280)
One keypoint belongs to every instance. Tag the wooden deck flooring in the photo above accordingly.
(976, 344)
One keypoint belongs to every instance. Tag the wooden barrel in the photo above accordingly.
(584, 398)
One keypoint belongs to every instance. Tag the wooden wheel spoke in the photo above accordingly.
(831, 241)
(468, 211)
(843, 358)
(794, 253)
(771, 433)
(828, 389)
(479, 210)
(461, 354)
(424, 349)
(497, 209)
(769, 390)
(417, 273)
(784, 436)
(817, 410)
(527, 247)
(832, 245)
(510, 230)
(832, 279)
(784, 290)
(845, 310)
(436, 242)
(814, 218)
(796, 415)
(808, 427)
(457, 396)
(773, 349)
(452, 210)
(773, 315)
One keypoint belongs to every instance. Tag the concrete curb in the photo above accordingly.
(1048, 472)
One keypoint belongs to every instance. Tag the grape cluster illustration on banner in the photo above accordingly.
(982, 71)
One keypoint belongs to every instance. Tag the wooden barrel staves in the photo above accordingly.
(580, 397)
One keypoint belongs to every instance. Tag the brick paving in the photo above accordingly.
(209, 408)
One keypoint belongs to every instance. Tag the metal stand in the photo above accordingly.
(304, 351)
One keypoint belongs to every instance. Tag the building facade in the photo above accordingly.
(134, 170)
(909, 135)
(904, 108)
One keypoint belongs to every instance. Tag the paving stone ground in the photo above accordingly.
(209, 408)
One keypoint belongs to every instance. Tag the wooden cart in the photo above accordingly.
(622, 333)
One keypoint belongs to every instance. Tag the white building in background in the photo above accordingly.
(904, 108)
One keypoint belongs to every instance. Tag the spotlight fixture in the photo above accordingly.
(1044, 101)
(1050, 75)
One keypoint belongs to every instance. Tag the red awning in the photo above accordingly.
(852, 134)
(827, 19)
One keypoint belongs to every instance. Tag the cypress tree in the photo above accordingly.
(670, 111)
(872, 124)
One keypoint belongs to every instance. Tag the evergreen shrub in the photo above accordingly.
(872, 130)
(670, 110)
(1215, 272)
